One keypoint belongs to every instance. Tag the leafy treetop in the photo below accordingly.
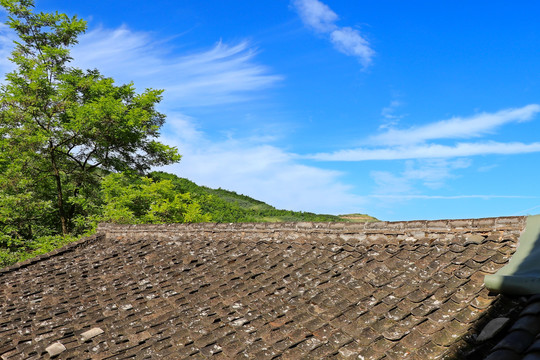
(61, 127)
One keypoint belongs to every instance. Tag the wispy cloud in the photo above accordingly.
(452, 197)
(429, 151)
(456, 127)
(220, 74)
(211, 78)
(427, 180)
(433, 173)
(430, 173)
(390, 118)
(319, 17)
(429, 164)
(417, 142)
(316, 15)
(350, 42)
(388, 112)
(261, 170)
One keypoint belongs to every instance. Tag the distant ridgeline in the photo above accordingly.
(228, 206)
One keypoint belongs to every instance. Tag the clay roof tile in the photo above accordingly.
(210, 291)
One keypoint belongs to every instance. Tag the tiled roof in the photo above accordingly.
(262, 291)
(521, 339)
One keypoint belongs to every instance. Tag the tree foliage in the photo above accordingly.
(61, 127)
(141, 200)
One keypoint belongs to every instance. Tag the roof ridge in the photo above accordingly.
(448, 224)
(324, 234)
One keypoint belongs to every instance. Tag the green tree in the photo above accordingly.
(61, 127)
(140, 200)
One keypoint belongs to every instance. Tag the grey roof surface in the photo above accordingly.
(402, 290)
(521, 337)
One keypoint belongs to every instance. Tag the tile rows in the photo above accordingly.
(196, 298)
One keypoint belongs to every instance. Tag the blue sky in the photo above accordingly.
(402, 110)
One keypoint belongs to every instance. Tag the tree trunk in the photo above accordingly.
(60, 199)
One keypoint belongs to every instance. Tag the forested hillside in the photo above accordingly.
(157, 198)
(228, 206)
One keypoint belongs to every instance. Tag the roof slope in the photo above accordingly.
(287, 291)
(521, 339)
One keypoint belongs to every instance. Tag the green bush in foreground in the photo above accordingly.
(40, 246)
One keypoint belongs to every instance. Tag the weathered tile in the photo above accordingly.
(259, 291)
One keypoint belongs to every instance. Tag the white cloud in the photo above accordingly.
(316, 15)
(423, 180)
(350, 42)
(451, 197)
(217, 75)
(319, 17)
(220, 74)
(487, 168)
(430, 165)
(413, 143)
(456, 127)
(262, 171)
(429, 151)
(433, 172)
(390, 118)
(430, 173)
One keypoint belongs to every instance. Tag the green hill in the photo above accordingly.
(228, 206)
(215, 205)
(359, 218)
